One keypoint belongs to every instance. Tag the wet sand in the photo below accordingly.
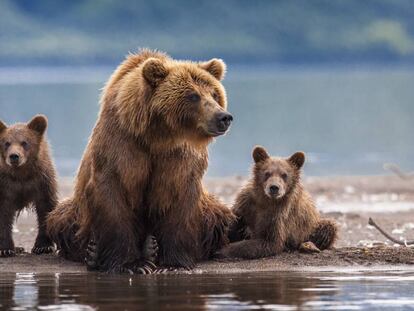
(350, 200)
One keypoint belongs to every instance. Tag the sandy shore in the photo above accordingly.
(349, 200)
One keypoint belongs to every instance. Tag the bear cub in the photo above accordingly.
(27, 179)
(275, 213)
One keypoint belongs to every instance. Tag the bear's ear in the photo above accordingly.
(297, 159)
(2, 126)
(154, 71)
(216, 67)
(38, 124)
(260, 154)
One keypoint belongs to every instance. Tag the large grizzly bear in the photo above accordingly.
(275, 213)
(27, 178)
(142, 169)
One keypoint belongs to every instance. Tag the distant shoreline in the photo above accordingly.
(338, 191)
(99, 73)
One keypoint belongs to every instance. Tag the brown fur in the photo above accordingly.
(30, 181)
(269, 223)
(142, 169)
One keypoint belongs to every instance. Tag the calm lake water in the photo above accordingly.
(348, 121)
(259, 291)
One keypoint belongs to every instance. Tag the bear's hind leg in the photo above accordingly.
(62, 228)
(325, 234)
(249, 249)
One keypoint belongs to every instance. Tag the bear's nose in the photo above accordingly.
(274, 189)
(224, 120)
(14, 158)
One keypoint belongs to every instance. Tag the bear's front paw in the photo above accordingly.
(7, 252)
(38, 250)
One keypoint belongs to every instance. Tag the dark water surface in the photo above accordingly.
(348, 121)
(393, 290)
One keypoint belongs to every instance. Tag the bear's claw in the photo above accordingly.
(91, 255)
(146, 266)
(165, 270)
(7, 252)
(139, 267)
(43, 250)
(10, 252)
(150, 251)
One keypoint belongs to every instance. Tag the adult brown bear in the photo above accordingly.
(142, 169)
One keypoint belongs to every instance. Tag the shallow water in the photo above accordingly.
(350, 290)
(348, 121)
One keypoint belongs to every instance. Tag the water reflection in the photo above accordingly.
(26, 291)
(82, 292)
(262, 291)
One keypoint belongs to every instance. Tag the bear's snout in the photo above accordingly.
(15, 156)
(274, 190)
(14, 159)
(223, 121)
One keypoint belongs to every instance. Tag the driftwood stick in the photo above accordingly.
(394, 168)
(388, 236)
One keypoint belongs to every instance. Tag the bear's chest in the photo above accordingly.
(178, 167)
(175, 179)
(19, 192)
(269, 223)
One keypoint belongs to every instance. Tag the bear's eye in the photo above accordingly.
(216, 97)
(24, 144)
(267, 175)
(284, 176)
(7, 145)
(194, 97)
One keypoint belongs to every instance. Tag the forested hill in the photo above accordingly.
(281, 31)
